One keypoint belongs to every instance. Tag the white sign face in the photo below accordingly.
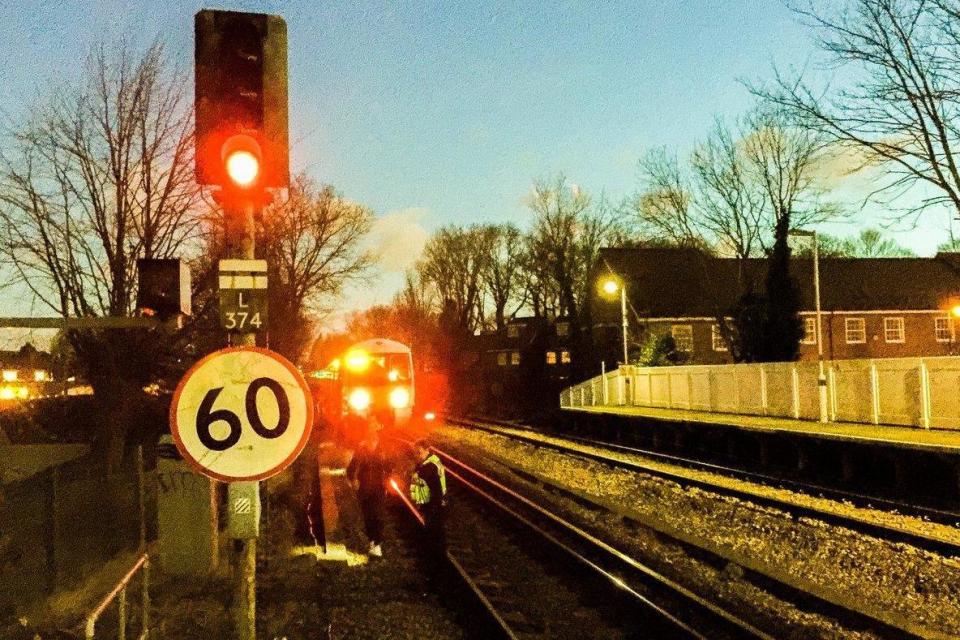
(241, 413)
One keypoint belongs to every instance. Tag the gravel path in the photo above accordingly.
(915, 585)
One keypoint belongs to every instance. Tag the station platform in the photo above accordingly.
(921, 466)
(945, 441)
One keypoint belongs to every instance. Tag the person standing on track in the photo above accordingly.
(367, 472)
(428, 490)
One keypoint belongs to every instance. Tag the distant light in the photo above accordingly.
(39, 375)
(9, 375)
(399, 398)
(243, 167)
(430, 415)
(610, 286)
(394, 375)
(7, 393)
(23, 393)
(956, 311)
(358, 361)
(359, 399)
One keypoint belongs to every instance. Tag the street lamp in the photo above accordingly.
(822, 376)
(610, 285)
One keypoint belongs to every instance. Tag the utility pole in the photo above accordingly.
(242, 148)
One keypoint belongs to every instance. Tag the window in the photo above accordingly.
(563, 329)
(564, 357)
(10, 375)
(856, 331)
(719, 344)
(502, 359)
(39, 375)
(893, 329)
(514, 358)
(943, 329)
(683, 336)
(551, 357)
(809, 331)
(513, 330)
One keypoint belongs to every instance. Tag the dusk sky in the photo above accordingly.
(445, 112)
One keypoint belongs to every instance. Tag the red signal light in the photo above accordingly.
(241, 157)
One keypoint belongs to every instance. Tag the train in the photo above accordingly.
(373, 383)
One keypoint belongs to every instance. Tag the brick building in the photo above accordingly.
(871, 307)
(528, 349)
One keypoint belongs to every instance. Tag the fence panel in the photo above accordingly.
(944, 377)
(854, 390)
(700, 388)
(724, 384)
(779, 389)
(898, 385)
(749, 389)
(679, 381)
(659, 387)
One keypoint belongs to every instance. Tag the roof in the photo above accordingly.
(381, 345)
(689, 283)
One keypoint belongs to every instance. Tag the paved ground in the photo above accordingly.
(942, 440)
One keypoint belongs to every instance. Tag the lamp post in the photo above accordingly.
(610, 287)
(821, 375)
(954, 314)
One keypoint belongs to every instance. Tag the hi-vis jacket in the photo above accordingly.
(419, 489)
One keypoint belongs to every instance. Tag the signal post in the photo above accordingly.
(241, 147)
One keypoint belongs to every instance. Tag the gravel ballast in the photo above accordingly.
(906, 584)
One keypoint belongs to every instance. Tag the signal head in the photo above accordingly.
(241, 159)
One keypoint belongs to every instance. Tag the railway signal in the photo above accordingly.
(241, 100)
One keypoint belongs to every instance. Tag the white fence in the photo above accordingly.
(918, 392)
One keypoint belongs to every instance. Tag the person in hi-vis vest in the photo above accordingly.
(428, 490)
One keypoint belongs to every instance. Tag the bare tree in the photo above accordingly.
(453, 263)
(567, 234)
(729, 201)
(310, 240)
(664, 206)
(897, 105)
(502, 277)
(97, 176)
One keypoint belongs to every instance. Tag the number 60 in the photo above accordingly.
(206, 416)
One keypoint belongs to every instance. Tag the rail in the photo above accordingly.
(119, 593)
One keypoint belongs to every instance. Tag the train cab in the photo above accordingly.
(376, 379)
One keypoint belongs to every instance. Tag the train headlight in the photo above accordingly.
(359, 399)
(399, 398)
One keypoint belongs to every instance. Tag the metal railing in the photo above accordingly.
(119, 593)
(912, 392)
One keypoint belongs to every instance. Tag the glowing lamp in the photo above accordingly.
(357, 361)
(610, 286)
(359, 399)
(7, 393)
(241, 159)
(399, 398)
(243, 167)
(955, 311)
(429, 416)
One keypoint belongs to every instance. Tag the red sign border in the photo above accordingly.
(175, 426)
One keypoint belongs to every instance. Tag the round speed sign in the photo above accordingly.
(241, 413)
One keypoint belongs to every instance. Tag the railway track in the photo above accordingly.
(851, 613)
(539, 575)
(625, 457)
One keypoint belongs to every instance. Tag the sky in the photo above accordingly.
(444, 112)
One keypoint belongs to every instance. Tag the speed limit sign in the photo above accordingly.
(241, 413)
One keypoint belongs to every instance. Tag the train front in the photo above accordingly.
(377, 382)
